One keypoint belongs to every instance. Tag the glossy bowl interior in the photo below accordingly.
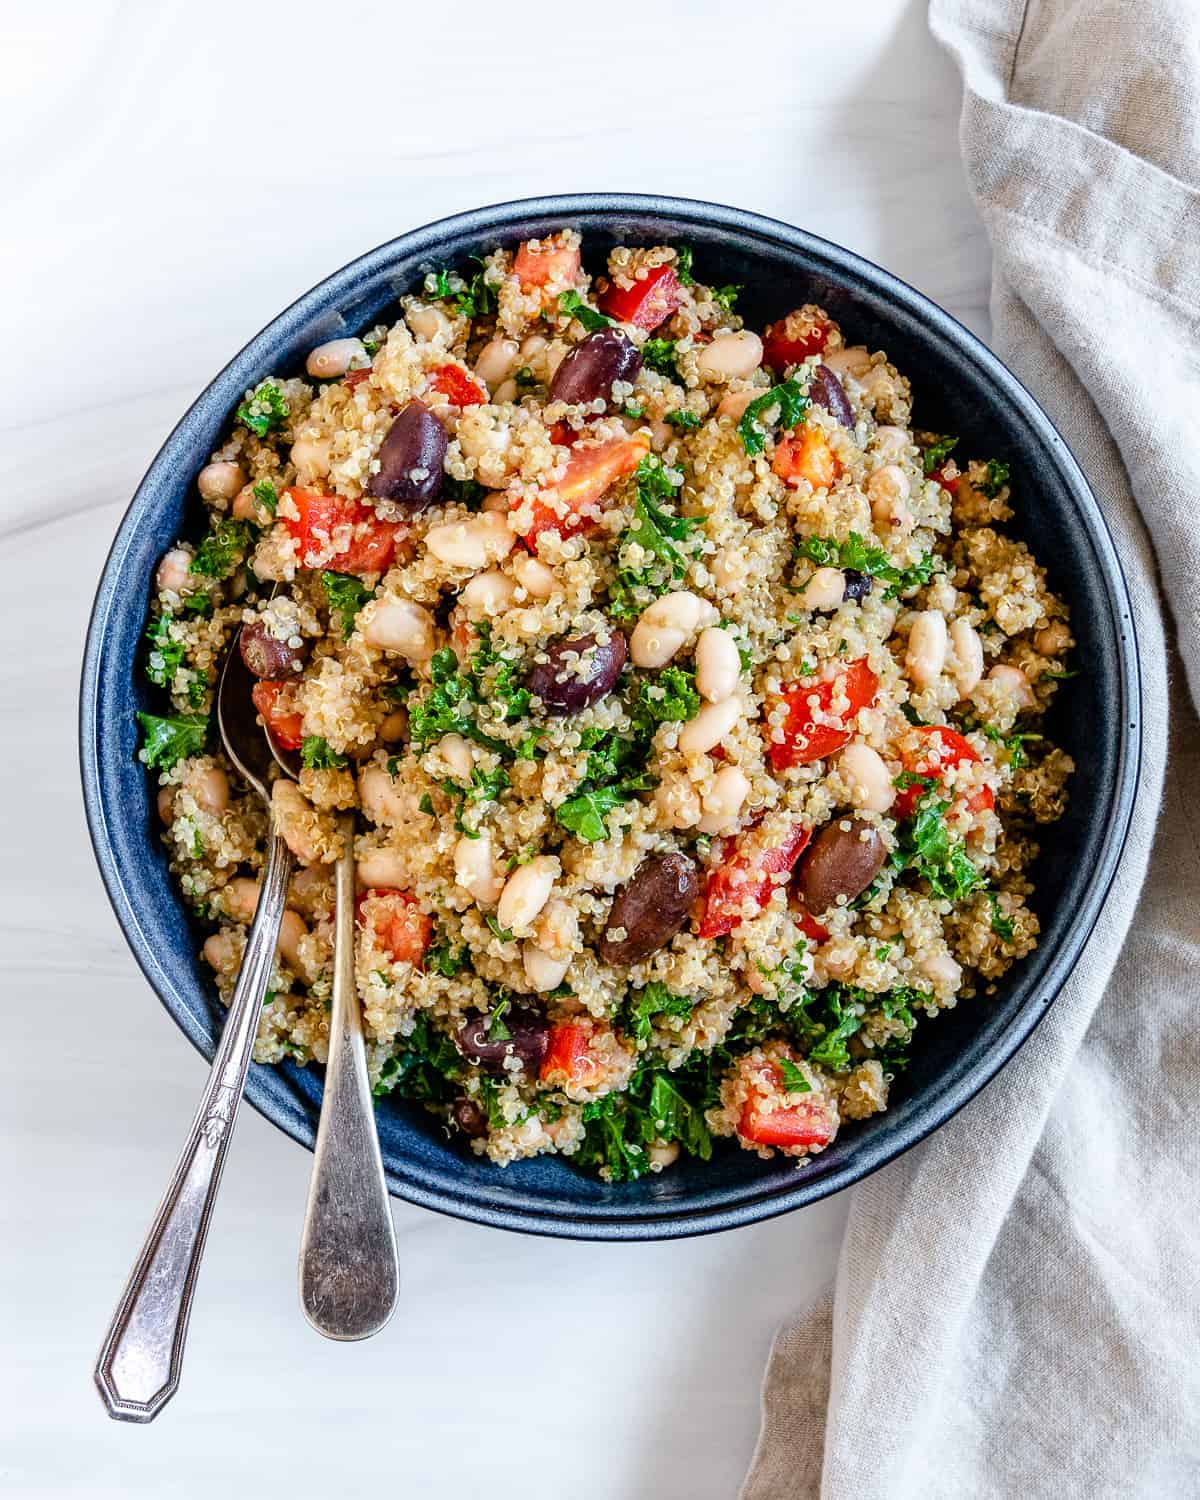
(959, 387)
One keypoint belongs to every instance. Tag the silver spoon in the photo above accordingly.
(141, 1359)
(349, 1268)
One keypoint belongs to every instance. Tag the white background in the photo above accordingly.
(172, 176)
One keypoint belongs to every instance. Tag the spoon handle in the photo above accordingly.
(141, 1358)
(349, 1270)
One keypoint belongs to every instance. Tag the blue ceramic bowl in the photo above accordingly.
(960, 387)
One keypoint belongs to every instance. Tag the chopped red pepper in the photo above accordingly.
(806, 454)
(807, 1124)
(939, 476)
(568, 1059)
(340, 534)
(804, 739)
(459, 388)
(590, 473)
(747, 876)
(648, 302)
(276, 702)
(552, 261)
(808, 924)
(794, 338)
(355, 377)
(947, 748)
(398, 924)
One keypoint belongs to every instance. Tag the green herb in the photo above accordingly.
(634, 409)
(783, 406)
(371, 345)
(505, 682)
(524, 377)
(1059, 676)
(683, 265)
(502, 933)
(166, 652)
(426, 1068)
(497, 1031)
(656, 531)
(472, 299)
(1001, 925)
(266, 495)
(937, 452)
(830, 1052)
(222, 549)
(584, 814)
(671, 698)
(316, 754)
(995, 479)
(468, 492)
(658, 1105)
(199, 603)
(659, 355)
(265, 409)
(593, 321)
(167, 740)
(655, 1000)
(726, 296)
(346, 596)
(425, 805)
(794, 1080)
(912, 715)
(925, 847)
(686, 421)
(856, 554)
(1014, 744)
(442, 959)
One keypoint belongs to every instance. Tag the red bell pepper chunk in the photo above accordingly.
(590, 473)
(809, 926)
(939, 476)
(397, 923)
(567, 1057)
(794, 339)
(806, 454)
(947, 748)
(459, 388)
(275, 701)
(806, 1124)
(747, 876)
(552, 261)
(648, 302)
(355, 377)
(806, 740)
(340, 534)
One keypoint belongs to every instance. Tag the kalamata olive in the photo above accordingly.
(266, 656)
(592, 367)
(410, 459)
(558, 682)
(858, 585)
(827, 391)
(650, 910)
(527, 1040)
(842, 860)
(469, 1118)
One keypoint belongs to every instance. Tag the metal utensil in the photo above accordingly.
(349, 1269)
(141, 1359)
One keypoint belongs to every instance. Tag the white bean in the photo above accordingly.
(173, 572)
(241, 898)
(1015, 683)
(526, 891)
(718, 665)
(475, 869)
(489, 593)
(824, 590)
(456, 753)
(533, 346)
(662, 1154)
(888, 489)
(941, 594)
(891, 442)
(211, 790)
(941, 968)
(427, 323)
(855, 361)
(557, 928)
(867, 779)
(723, 801)
(482, 434)
(728, 569)
(382, 868)
(399, 625)
(165, 802)
(734, 403)
(312, 457)
(292, 932)
(878, 383)
(475, 543)
(220, 950)
(220, 481)
(968, 656)
(926, 654)
(665, 625)
(730, 356)
(1053, 639)
(535, 577)
(394, 727)
(543, 972)
(712, 724)
(506, 393)
(496, 362)
(248, 507)
(329, 361)
(677, 801)
(381, 801)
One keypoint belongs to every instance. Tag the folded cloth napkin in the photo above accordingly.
(1016, 1307)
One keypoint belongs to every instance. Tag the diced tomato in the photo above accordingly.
(340, 534)
(806, 1124)
(355, 377)
(648, 302)
(742, 876)
(563, 435)
(567, 1057)
(794, 338)
(459, 388)
(809, 926)
(804, 739)
(947, 748)
(275, 701)
(397, 923)
(939, 477)
(806, 454)
(590, 473)
(552, 261)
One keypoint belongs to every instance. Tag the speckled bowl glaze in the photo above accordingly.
(960, 387)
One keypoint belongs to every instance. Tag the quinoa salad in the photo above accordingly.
(687, 695)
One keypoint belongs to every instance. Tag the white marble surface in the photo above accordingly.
(174, 175)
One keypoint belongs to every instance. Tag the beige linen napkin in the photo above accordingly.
(1016, 1307)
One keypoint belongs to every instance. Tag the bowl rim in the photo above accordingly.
(598, 1222)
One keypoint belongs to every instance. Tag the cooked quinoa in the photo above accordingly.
(687, 697)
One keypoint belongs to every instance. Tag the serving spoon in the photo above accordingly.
(141, 1359)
